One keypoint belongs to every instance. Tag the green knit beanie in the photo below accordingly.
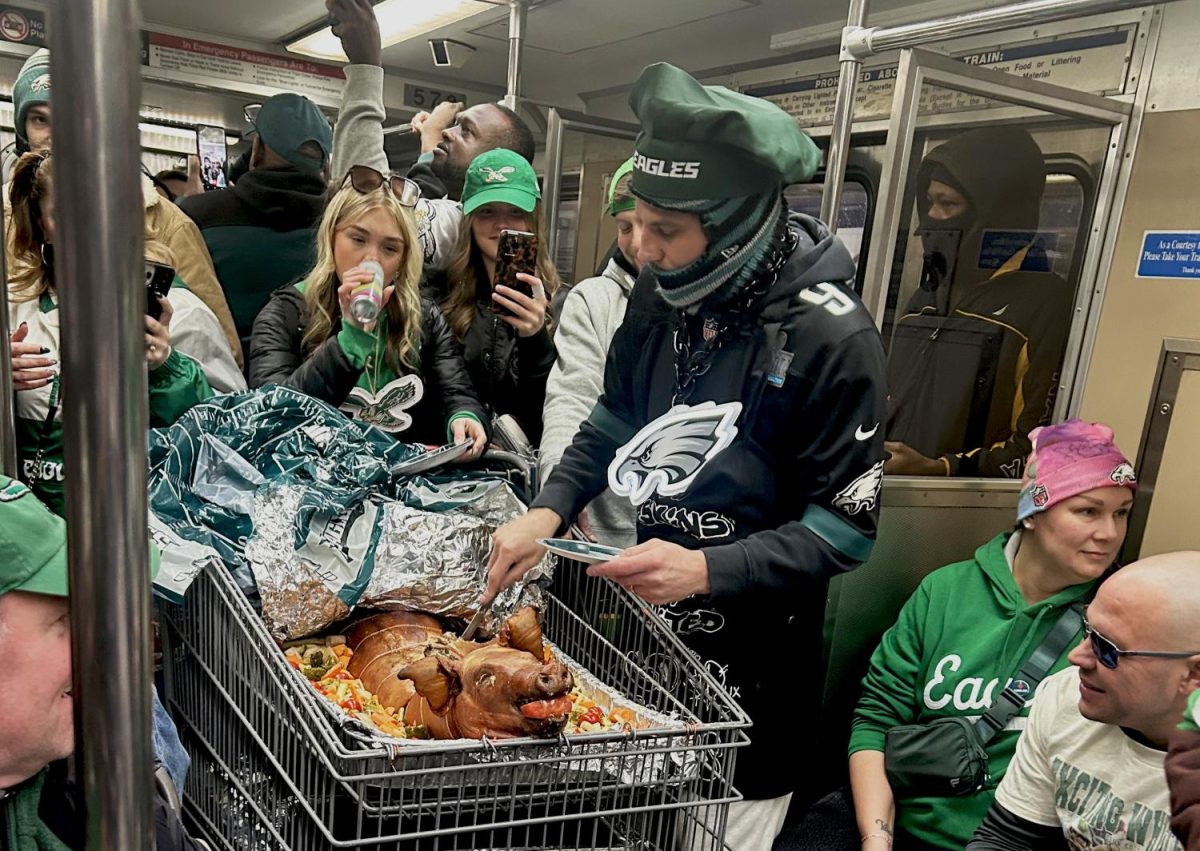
(31, 89)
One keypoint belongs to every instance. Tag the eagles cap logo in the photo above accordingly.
(1123, 474)
(667, 455)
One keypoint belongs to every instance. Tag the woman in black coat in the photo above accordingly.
(403, 372)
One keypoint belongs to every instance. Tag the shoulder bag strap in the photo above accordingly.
(1033, 670)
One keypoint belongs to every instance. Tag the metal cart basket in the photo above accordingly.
(272, 768)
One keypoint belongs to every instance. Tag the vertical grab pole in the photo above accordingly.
(517, 10)
(552, 183)
(843, 115)
(8, 411)
(99, 206)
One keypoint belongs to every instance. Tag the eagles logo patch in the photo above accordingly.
(386, 410)
(862, 493)
(1123, 475)
(667, 455)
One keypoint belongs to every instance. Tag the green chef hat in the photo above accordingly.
(707, 142)
(31, 88)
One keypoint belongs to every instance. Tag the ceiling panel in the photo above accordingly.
(254, 20)
(569, 26)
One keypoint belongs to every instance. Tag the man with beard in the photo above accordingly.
(451, 137)
(743, 398)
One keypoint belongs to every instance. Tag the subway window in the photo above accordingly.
(852, 214)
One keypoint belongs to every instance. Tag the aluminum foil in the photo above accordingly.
(299, 598)
(437, 562)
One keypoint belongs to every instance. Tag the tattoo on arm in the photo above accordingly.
(884, 826)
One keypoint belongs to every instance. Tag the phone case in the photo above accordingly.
(517, 253)
(158, 283)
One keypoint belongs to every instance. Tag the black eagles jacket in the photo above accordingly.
(773, 466)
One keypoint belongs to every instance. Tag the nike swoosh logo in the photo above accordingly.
(859, 434)
(1000, 311)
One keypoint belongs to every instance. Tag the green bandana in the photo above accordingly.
(741, 233)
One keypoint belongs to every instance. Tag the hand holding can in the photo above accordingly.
(366, 298)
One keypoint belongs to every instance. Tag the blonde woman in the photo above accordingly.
(402, 372)
(176, 381)
(504, 333)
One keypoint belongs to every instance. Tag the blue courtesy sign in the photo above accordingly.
(1170, 254)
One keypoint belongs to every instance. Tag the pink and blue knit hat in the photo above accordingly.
(1068, 459)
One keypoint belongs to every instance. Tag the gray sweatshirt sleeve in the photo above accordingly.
(577, 378)
(358, 136)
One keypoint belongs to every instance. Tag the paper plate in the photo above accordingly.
(432, 459)
(584, 551)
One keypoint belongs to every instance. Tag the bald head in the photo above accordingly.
(1159, 597)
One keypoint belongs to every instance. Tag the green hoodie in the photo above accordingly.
(957, 641)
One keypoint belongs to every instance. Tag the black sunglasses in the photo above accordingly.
(365, 179)
(1108, 654)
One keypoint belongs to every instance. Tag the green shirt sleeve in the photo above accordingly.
(357, 344)
(1191, 716)
(175, 387)
(891, 689)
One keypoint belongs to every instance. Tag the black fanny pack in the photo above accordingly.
(948, 757)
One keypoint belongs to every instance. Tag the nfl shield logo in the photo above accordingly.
(1040, 496)
(710, 330)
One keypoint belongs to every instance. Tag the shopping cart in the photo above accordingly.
(272, 768)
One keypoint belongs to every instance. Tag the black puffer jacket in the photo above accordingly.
(330, 374)
(509, 371)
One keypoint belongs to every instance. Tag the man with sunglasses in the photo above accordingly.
(261, 231)
(1089, 766)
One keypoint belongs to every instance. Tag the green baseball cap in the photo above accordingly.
(708, 143)
(500, 176)
(33, 544)
(625, 202)
(33, 541)
(286, 122)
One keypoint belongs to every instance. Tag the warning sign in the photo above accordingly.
(1092, 63)
(235, 64)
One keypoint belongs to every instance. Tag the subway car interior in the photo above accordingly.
(1069, 126)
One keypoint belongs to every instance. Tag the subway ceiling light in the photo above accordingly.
(399, 20)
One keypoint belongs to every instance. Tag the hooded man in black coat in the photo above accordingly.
(975, 358)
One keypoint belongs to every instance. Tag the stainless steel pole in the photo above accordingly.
(552, 183)
(517, 10)
(872, 40)
(843, 115)
(8, 412)
(98, 195)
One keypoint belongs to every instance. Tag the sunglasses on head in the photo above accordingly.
(365, 179)
(1108, 654)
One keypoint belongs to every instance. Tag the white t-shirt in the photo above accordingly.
(1107, 791)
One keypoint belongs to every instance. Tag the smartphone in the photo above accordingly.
(517, 253)
(158, 283)
(210, 147)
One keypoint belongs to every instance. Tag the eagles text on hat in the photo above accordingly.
(667, 168)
